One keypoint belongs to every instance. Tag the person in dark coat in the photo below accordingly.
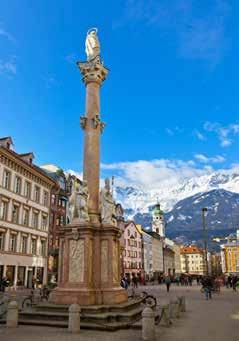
(207, 285)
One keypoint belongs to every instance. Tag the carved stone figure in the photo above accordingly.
(107, 204)
(78, 203)
(92, 44)
(70, 202)
(81, 202)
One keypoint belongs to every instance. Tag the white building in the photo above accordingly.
(24, 217)
(193, 260)
(153, 241)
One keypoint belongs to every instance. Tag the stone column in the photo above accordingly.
(12, 315)
(148, 324)
(74, 318)
(15, 276)
(94, 73)
(7, 238)
(26, 273)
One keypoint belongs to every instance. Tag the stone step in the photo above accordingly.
(84, 325)
(43, 315)
(124, 316)
(126, 306)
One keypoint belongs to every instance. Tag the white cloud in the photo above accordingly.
(79, 175)
(169, 132)
(200, 136)
(225, 134)
(51, 81)
(8, 67)
(6, 34)
(204, 159)
(150, 174)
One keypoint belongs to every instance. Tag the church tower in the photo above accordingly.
(158, 225)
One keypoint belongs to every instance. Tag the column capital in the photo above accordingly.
(93, 71)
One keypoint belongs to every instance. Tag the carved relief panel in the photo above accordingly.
(76, 260)
(104, 260)
(115, 262)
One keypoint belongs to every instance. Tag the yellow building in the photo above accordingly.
(230, 257)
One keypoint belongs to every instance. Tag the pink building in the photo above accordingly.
(133, 262)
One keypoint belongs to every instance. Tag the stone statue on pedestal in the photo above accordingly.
(78, 203)
(92, 44)
(107, 204)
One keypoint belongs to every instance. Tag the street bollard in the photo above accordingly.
(173, 309)
(177, 308)
(74, 318)
(166, 315)
(148, 324)
(12, 315)
(183, 309)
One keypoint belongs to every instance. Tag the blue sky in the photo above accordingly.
(171, 97)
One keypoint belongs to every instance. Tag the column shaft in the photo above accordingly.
(92, 147)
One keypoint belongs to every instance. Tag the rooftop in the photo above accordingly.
(191, 249)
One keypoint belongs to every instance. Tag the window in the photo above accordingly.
(13, 242)
(62, 183)
(15, 214)
(135, 234)
(17, 187)
(27, 192)
(34, 246)
(37, 194)
(35, 220)
(43, 248)
(4, 210)
(45, 199)
(44, 222)
(25, 218)
(2, 238)
(6, 179)
(24, 244)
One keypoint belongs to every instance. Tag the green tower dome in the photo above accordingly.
(157, 210)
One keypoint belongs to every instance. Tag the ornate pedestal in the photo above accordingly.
(89, 266)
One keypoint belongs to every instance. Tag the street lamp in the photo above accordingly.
(204, 211)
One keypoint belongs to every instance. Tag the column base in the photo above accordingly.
(88, 296)
(89, 266)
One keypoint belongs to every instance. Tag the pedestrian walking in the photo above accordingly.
(168, 283)
(4, 283)
(234, 283)
(135, 282)
(207, 287)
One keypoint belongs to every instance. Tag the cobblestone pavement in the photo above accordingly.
(213, 320)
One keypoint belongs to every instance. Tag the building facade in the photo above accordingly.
(230, 258)
(177, 258)
(133, 261)
(169, 261)
(58, 217)
(24, 217)
(119, 212)
(193, 260)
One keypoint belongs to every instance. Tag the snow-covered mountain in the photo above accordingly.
(136, 200)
